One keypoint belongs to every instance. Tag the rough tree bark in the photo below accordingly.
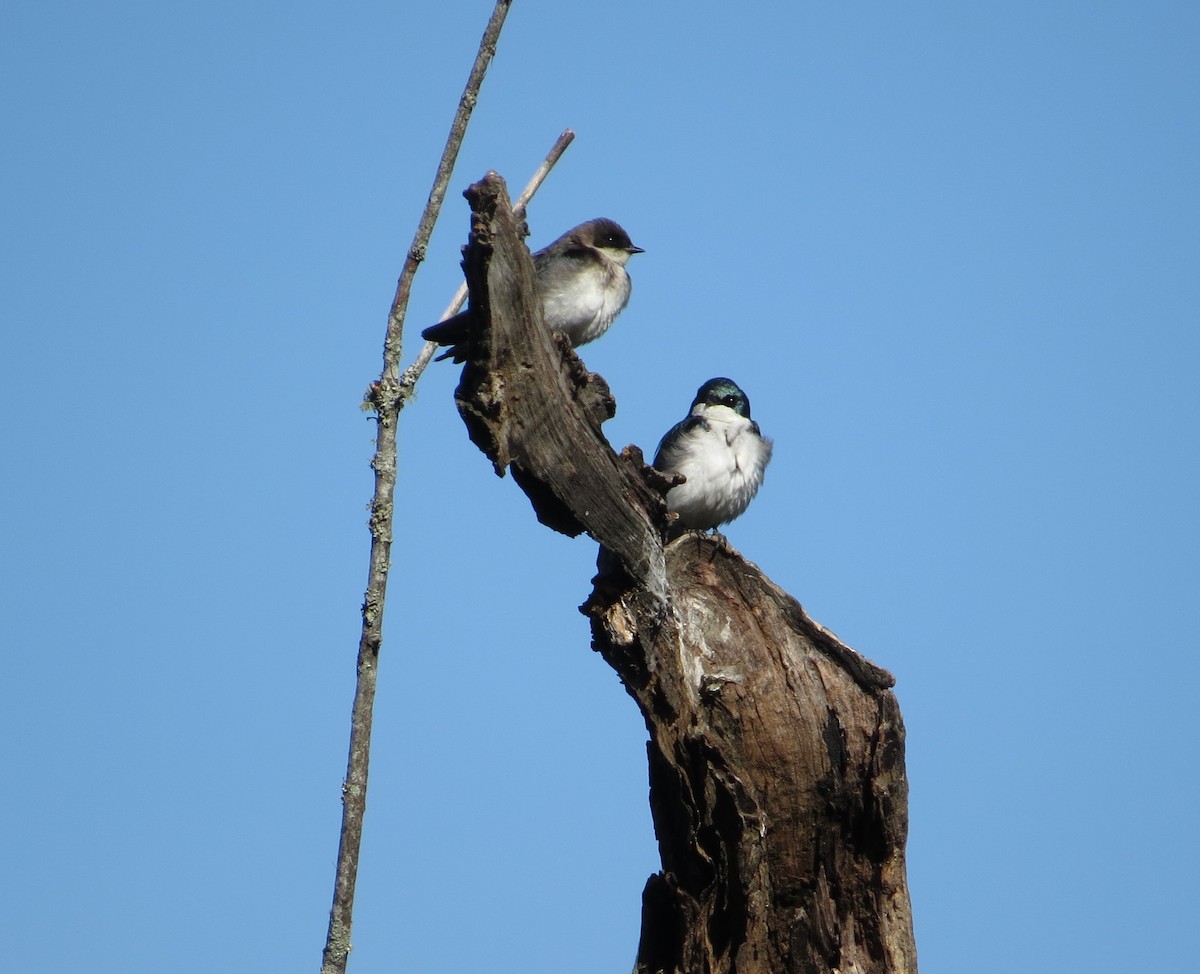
(776, 753)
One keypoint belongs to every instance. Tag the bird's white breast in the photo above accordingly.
(723, 459)
(585, 309)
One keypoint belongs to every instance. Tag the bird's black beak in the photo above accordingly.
(635, 250)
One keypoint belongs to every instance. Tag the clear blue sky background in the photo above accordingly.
(952, 252)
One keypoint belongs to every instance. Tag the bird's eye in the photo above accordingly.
(730, 401)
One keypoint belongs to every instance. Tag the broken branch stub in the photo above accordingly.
(531, 405)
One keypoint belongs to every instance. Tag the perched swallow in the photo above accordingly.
(582, 282)
(721, 451)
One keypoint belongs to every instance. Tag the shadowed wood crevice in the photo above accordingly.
(776, 752)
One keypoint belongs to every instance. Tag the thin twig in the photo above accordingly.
(408, 380)
(543, 171)
(386, 403)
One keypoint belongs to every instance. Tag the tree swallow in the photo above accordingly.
(582, 282)
(721, 451)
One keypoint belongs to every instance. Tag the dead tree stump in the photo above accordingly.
(776, 753)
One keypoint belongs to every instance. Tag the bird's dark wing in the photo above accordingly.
(576, 253)
(674, 434)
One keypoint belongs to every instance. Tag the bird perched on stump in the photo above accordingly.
(581, 279)
(721, 452)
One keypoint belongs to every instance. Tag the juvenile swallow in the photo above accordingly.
(581, 279)
(721, 451)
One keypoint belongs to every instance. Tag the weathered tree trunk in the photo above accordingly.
(776, 752)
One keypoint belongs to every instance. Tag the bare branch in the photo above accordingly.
(386, 404)
(458, 128)
(539, 177)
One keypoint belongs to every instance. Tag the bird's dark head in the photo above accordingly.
(606, 234)
(722, 392)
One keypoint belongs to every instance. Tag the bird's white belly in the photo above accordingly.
(724, 468)
(585, 310)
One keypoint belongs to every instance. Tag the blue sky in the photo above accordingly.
(950, 251)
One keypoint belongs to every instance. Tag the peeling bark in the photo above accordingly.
(776, 752)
